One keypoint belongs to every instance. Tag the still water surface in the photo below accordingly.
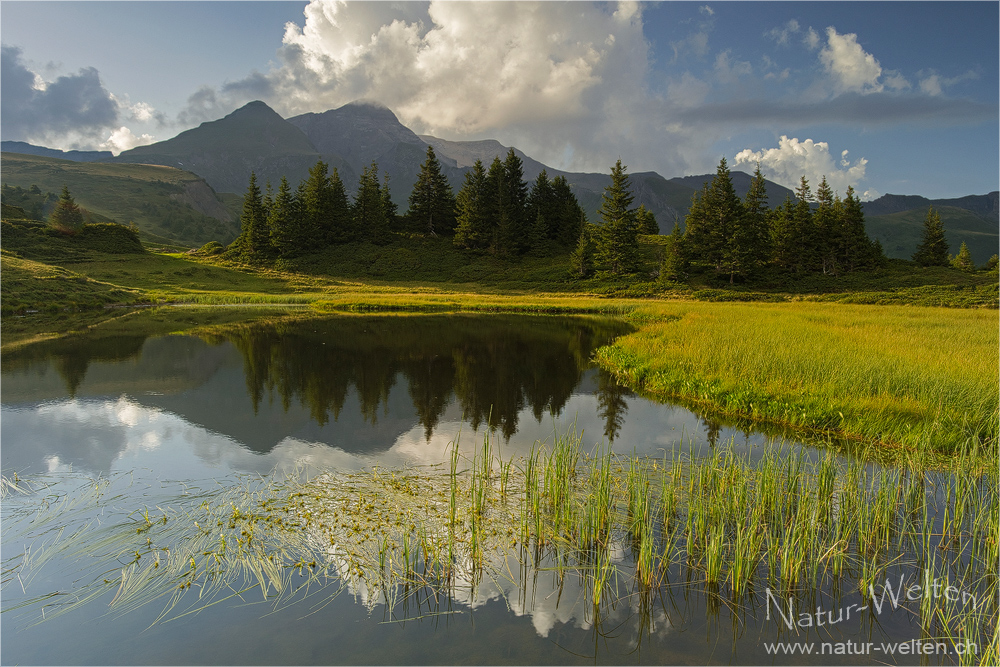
(158, 413)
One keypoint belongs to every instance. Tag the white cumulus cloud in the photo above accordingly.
(851, 68)
(793, 159)
(123, 139)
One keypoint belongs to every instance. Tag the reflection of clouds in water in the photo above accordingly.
(102, 435)
(527, 590)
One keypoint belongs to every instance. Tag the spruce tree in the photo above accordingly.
(340, 218)
(542, 201)
(67, 217)
(933, 248)
(785, 243)
(857, 250)
(471, 230)
(675, 264)
(647, 221)
(618, 243)
(827, 230)
(581, 260)
(284, 223)
(254, 241)
(569, 216)
(512, 232)
(493, 205)
(369, 209)
(963, 260)
(317, 208)
(804, 229)
(723, 212)
(432, 204)
(751, 236)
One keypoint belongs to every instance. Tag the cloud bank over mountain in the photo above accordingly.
(669, 87)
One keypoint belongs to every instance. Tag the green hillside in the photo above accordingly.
(900, 233)
(163, 202)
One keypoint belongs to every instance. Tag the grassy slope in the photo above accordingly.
(157, 199)
(900, 233)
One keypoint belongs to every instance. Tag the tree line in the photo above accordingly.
(743, 238)
(495, 211)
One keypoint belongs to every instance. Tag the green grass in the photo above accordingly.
(164, 202)
(918, 377)
(30, 285)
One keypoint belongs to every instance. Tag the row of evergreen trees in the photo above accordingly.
(315, 215)
(495, 211)
(738, 238)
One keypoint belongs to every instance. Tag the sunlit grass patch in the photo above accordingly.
(906, 375)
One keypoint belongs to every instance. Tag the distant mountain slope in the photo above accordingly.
(162, 201)
(359, 132)
(225, 151)
(30, 149)
(986, 206)
(901, 232)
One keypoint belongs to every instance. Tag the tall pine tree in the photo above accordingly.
(432, 204)
(933, 248)
(67, 217)
(472, 230)
(618, 243)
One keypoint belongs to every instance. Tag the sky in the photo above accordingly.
(893, 97)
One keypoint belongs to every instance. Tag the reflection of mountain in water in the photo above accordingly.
(335, 380)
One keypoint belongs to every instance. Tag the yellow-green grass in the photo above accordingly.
(37, 286)
(918, 377)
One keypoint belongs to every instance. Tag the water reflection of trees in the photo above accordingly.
(494, 366)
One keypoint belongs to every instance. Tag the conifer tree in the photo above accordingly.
(389, 208)
(785, 245)
(723, 213)
(284, 223)
(827, 230)
(933, 248)
(581, 260)
(432, 204)
(569, 216)
(369, 208)
(857, 251)
(67, 217)
(963, 260)
(751, 237)
(804, 230)
(675, 264)
(542, 200)
(472, 230)
(513, 220)
(317, 208)
(646, 220)
(618, 243)
(254, 241)
(341, 220)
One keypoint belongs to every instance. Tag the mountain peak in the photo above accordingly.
(360, 131)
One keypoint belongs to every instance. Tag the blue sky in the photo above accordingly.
(885, 97)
